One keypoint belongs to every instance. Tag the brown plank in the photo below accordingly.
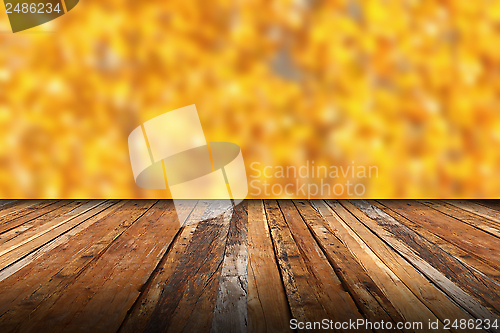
(468, 238)
(33, 212)
(202, 301)
(477, 209)
(100, 297)
(19, 247)
(142, 310)
(480, 265)
(479, 222)
(27, 213)
(38, 224)
(440, 305)
(16, 206)
(24, 296)
(230, 312)
(374, 218)
(5, 202)
(368, 297)
(197, 268)
(493, 204)
(405, 302)
(64, 238)
(473, 283)
(313, 289)
(302, 297)
(267, 306)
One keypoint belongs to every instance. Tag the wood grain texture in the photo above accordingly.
(493, 204)
(38, 224)
(477, 264)
(479, 222)
(197, 268)
(313, 289)
(187, 212)
(486, 212)
(47, 230)
(21, 260)
(475, 284)
(404, 301)
(380, 223)
(200, 266)
(268, 309)
(461, 234)
(364, 291)
(33, 293)
(16, 206)
(98, 299)
(441, 306)
(230, 313)
(22, 216)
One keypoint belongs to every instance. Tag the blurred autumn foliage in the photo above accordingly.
(408, 86)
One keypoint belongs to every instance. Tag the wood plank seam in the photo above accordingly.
(434, 299)
(449, 266)
(314, 287)
(479, 222)
(80, 269)
(445, 285)
(298, 314)
(128, 324)
(26, 218)
(404, 300)
(17, 243)
(468, 259)
(94, 310)
(18, 265)
(275, 253)
(180, 297)
(371, 301)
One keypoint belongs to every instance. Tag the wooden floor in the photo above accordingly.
(141, 265)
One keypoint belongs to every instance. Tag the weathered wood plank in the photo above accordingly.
(477, 285)
(86, 249)
(55, 242)
(462, 235)
(267, 306)
(479, 222)
(405, 302)
(302, 298)
(364, 291)
(480, 265)
(196, 269)
(142, 310)
(17, 235)
(29, 213)
(15, 249)
(37, 213)
(375, 219)
(202, 300)
(100, 297)
(313, 289)
(434, 299)
(493, 204)
(16, 206)
(5, 203)
(230, 313)
(477, 209)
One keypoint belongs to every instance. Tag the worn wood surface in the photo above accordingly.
(205, 266)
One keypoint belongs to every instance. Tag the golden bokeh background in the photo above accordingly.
(409, 86)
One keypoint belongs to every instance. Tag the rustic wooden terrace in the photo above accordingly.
(141, 265)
